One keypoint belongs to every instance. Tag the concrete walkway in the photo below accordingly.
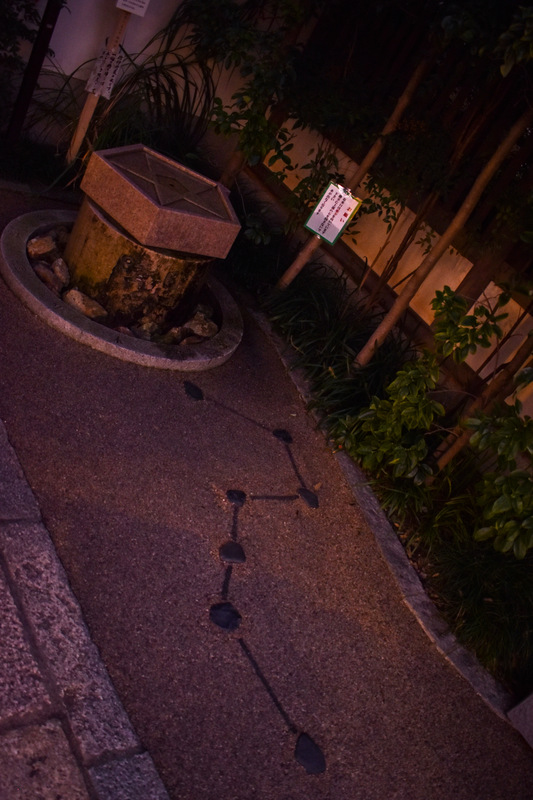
(220, 668)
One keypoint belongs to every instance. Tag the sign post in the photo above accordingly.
(104, 74)
(328, 222)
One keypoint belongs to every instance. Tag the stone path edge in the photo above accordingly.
(488, 688)
(101, 739)
(17, 272)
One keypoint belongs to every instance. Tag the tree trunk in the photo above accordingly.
(390, 126)
(466, 209)
(496, 391)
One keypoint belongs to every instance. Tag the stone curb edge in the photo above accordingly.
(19, 276)
(414, 596)
(101, 739)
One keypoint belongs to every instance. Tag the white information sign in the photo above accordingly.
(133, 6)
(333, 212)
(104, 74)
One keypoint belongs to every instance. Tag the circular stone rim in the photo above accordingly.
(18, 273)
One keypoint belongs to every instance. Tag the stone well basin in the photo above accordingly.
(146, 235)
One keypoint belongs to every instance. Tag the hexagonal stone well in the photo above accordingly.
(160, 202)
(147, 232)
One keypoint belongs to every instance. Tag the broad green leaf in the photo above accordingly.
(501, 505)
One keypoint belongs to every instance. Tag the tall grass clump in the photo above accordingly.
(163, 98)
(321, 319)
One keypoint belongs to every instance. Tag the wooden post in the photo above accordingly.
(113, 45)
(300, 261)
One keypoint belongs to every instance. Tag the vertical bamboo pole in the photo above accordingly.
(390, 126)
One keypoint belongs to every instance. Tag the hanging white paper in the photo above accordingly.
(105, 73)
(333, 212)
(137, 7)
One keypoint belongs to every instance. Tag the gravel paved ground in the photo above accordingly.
(131, 472)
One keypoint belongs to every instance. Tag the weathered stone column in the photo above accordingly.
(146, 235)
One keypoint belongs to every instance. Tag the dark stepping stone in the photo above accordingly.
(283, 435)
(225, 615)
(236, 497)
(309, 755)
(232, 552)
(193, 391)
(310, 497)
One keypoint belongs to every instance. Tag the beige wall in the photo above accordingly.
(82, 29)
(375, 243)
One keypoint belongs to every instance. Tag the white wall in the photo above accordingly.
(82, 29)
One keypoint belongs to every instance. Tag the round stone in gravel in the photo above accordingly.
(232, 552)
(283, 435)
(309, 755)
(225, 615)
(236, 497)
(193, 391)
(309, 497)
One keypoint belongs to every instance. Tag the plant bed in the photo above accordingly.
(485, 596)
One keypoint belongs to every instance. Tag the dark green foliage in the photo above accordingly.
(488, 600)
(324, 324)
(486, 596)
(18, 23)
(30, 161)
(458, 333)
(163, 99)
(505, 496)
(259, 255)
(383, 416)
(390, 437)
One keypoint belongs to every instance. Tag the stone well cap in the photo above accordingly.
(161, 203)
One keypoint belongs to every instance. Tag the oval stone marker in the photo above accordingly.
(283, 435)
(236, 497)
(225, 615)
(309, 755)
(232, 552)
(193, 391)
(309, 497)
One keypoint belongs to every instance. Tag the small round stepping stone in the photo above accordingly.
(225, 615)
(193, 391)
(309, 755)
(236, 497)
(309, 497)
(283, 435)
(232, 552)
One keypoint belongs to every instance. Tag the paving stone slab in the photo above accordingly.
(97, 718)
(36, 764)
(10, 469)
(22, 686)
(17, 501)
(133, 778)
(521, 717)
